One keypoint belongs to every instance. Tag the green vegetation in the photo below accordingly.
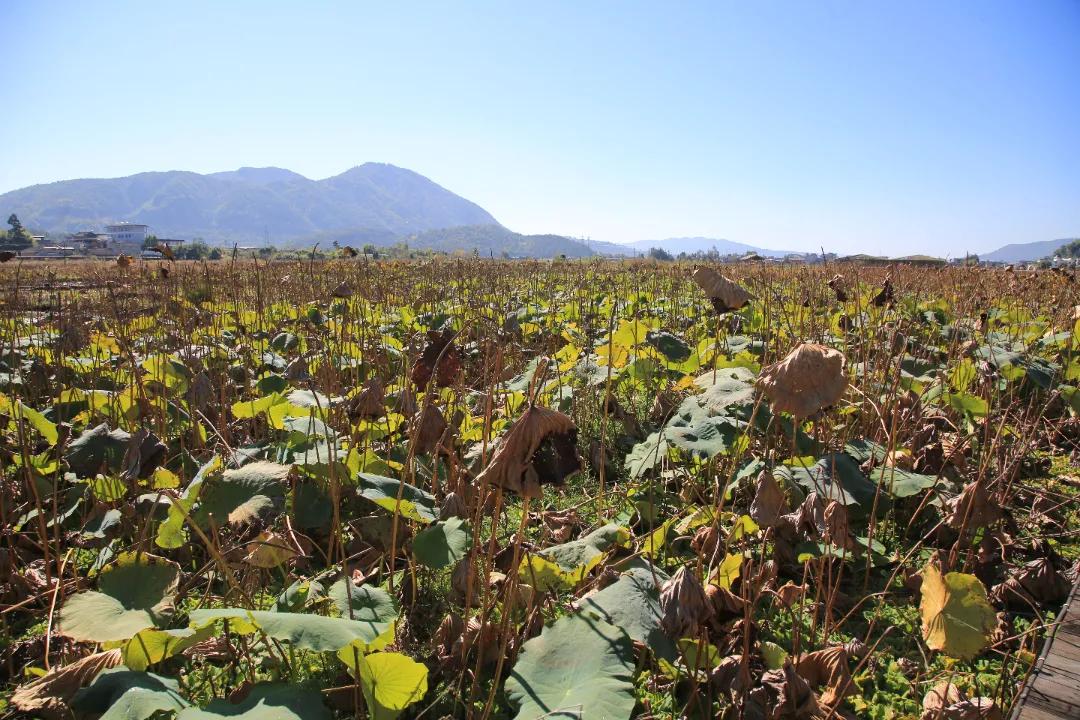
(447, 487)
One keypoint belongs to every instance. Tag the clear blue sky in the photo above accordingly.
(889, 127)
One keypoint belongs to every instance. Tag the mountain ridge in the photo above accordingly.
(247, 203)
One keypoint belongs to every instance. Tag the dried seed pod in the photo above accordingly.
(810, 378)
(683, 604)
(724, 294)
(539, 448)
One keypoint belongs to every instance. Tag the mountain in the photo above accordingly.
(1023, 252)
(244, 205)
(702, 244)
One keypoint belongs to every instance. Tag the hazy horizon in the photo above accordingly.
(862, 128)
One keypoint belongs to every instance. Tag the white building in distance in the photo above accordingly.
(128, 236)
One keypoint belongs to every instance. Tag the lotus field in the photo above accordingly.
(458, 488)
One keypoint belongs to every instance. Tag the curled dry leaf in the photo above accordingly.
(430, 426)
(683, 604)
(453, 506)
(50, 695)
(837, 285)
(369, 402)
(539, 448)
(440, 357)
(769, 501)
(724, 294)
(938, 698)
(270, 549)
(731, 676)
(789, 594)
(836, 526)
(810, 378)
(946, 702)
(783, 695)
(479, 637)
(973, 508)
(885, 296)
(725, 604)
(462, 581)
(1037, 583)
(828, 668)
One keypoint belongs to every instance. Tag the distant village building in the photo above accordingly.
(128, 237)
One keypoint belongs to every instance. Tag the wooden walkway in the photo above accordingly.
(1052, 691)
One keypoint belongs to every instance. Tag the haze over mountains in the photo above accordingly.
(373, 203)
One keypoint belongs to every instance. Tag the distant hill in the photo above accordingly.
(1024, 252)
(485, 240)
(244, 205)
(703, 244)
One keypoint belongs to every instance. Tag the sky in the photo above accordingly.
(869, 126)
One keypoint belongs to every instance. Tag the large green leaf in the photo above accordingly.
(646, 455)
(266, 701)
(303, 630)
(365, 604)
(673, 347)
(701, 432)
(243, 494)
(391, 681)
(443, 543)
(900, 483)
(836, 476)
(152, 646)
(415, 504)
(124, 694)
(578, 668)
(957, 619)
(97, 449)
(632, 603)
(133, 594)
(589, 549)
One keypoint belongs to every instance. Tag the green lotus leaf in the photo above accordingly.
(442, 543)
(124, 694)
(415, 504)
(266, 701)
(243, 494)
(579, 667)
(133, 594)
(391, 681)
(632, 603)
